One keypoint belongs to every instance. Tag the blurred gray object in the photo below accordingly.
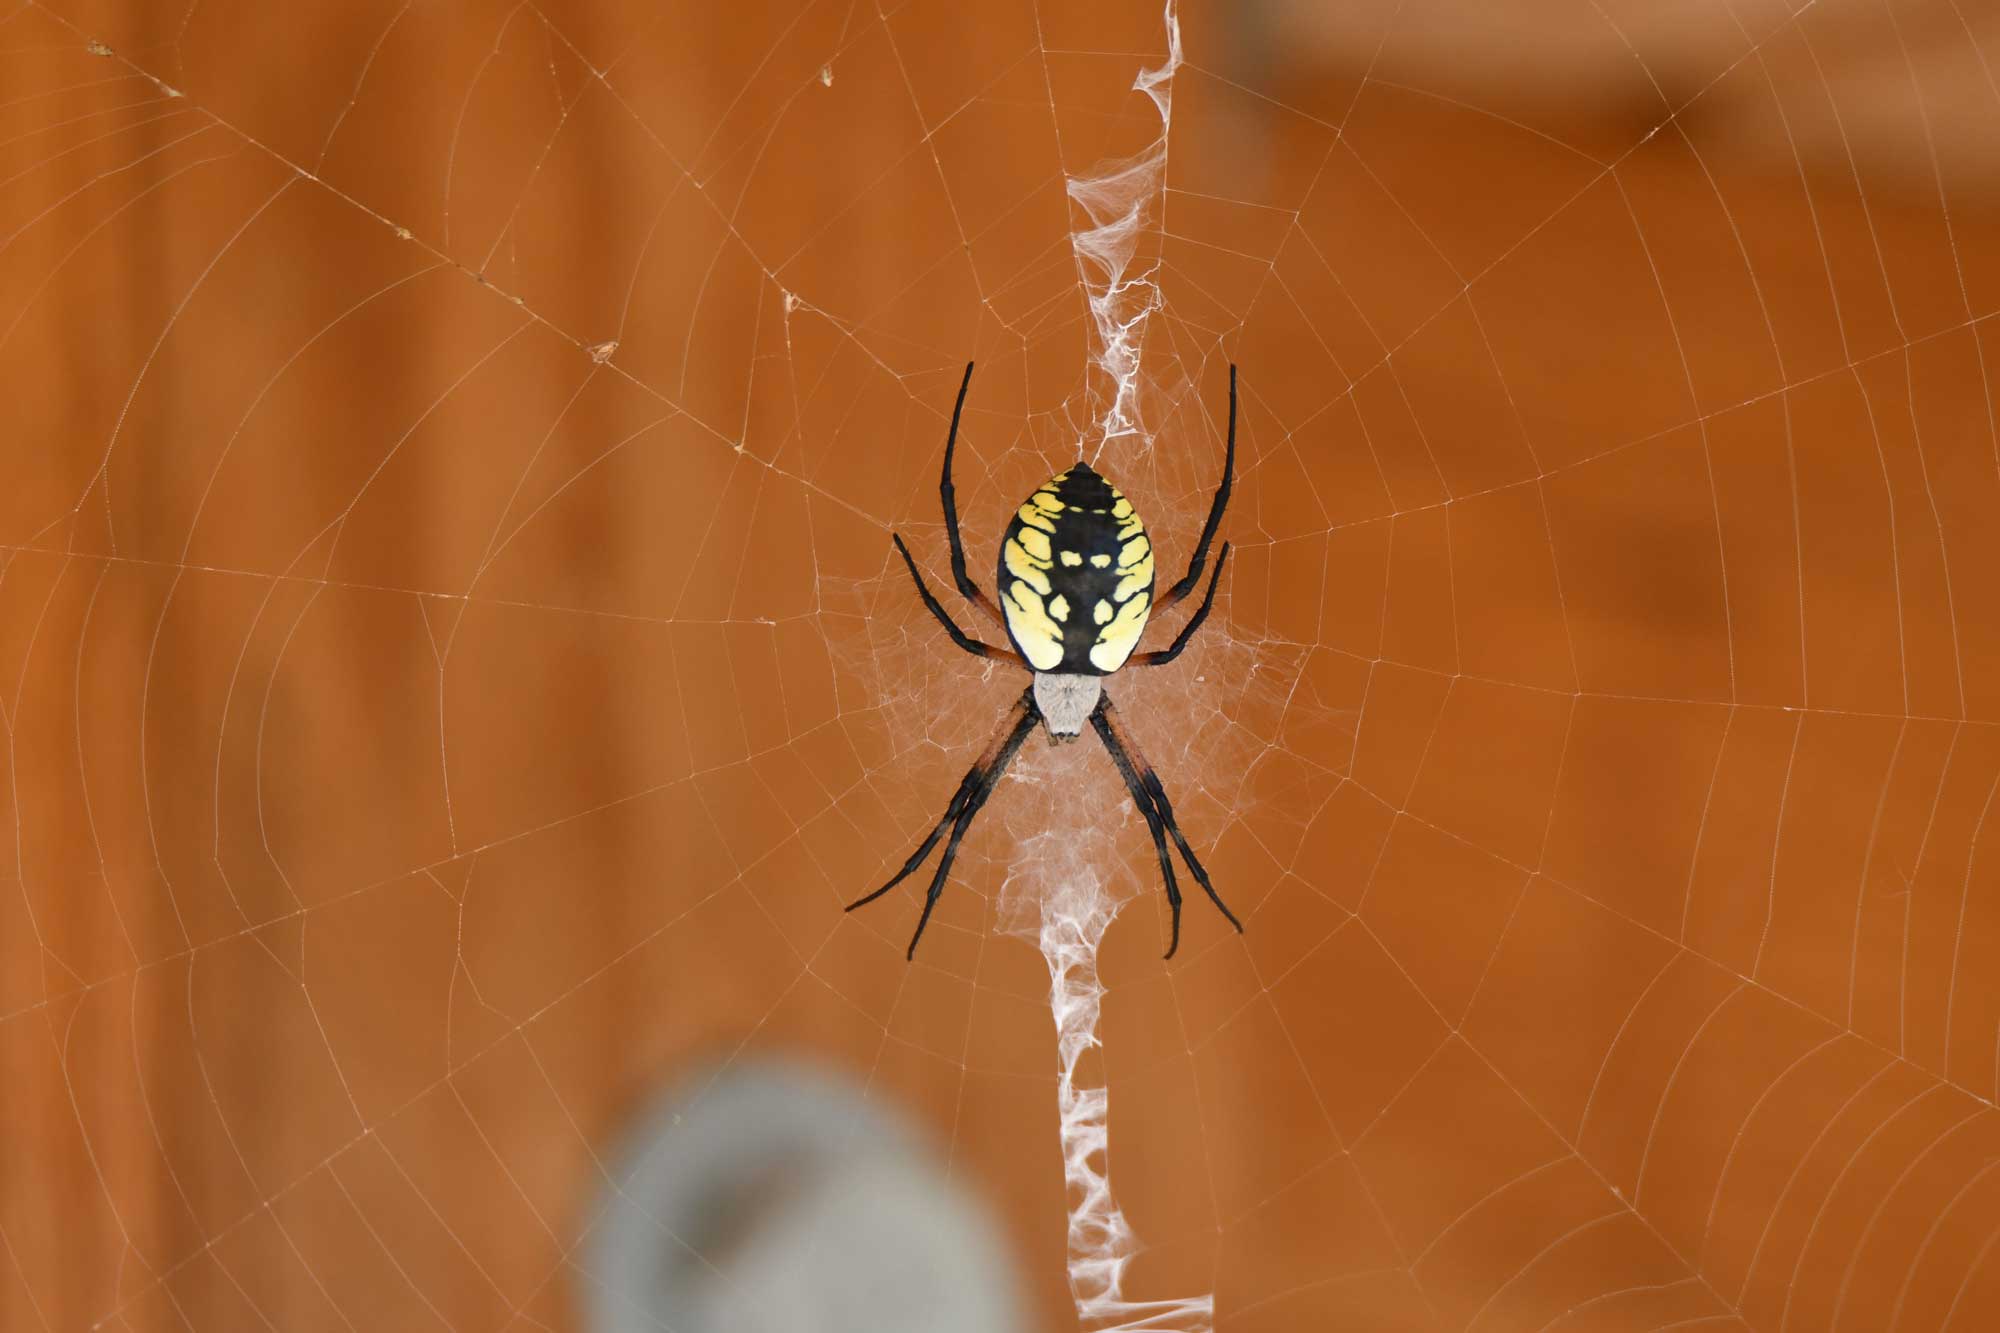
(769, 1197)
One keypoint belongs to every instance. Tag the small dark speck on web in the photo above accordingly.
(98, 49)
(601, 352)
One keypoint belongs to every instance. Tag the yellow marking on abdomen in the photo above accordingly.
(1135, 563)
(1116, 640)
(1140, 577)
(1025, 567)
(1059, 607)
(1102, 612)
(1039, 637)
(1071, 558)
(1100, 561)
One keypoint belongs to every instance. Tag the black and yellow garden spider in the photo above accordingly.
(1076, 582)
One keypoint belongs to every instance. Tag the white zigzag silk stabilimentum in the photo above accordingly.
(1075, 909)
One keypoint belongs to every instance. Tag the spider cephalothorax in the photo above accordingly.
(1076, 590)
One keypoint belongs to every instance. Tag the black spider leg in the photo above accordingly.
(948, 495)
(973, 789)
(1167, 654)
(1193, 576)
(1151, 798)
(958, 636)
(1142, 799)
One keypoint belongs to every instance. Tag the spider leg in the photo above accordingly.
(1193, 576)
(949, 496)
(1144, 800)
(1151, 798)
(973, 789)
(1165, 655)
(958, 636)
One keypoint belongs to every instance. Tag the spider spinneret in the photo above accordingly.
(1076, 590)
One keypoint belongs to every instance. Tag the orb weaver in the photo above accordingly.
(1076, 584)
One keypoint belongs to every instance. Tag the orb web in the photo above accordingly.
(455, 671)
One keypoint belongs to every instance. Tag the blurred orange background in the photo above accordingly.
(455, 669)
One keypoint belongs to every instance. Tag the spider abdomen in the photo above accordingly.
(1076, 575)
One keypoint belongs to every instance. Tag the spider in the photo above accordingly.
(1076, 584)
